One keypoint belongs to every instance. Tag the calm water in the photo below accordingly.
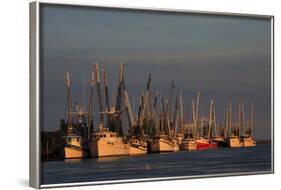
(216, 161)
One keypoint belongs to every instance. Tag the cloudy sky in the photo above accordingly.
(224, 57)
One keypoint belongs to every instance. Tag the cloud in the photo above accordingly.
(199, 56)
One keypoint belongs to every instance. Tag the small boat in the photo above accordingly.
(73, 147)
(188, 144)
(137, 146)
(74, 144)
(220, 141)
(163, 143)
(248, 141)
(234, 142)
(204, 143)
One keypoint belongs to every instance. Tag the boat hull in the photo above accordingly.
(220, 141)
(73, 152)
(234, 143)
(163, 145)
(188, 145)
(133, 150)
(213, 145)
(203, 144)
(73, 147)
(102, 147)
(249, 142)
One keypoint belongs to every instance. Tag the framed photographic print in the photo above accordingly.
(128, 94)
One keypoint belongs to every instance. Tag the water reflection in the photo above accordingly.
(73, 160)
(109, 158)
(221, 161)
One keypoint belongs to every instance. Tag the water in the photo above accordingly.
(215, 161)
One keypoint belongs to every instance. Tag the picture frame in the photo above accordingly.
(36, 73)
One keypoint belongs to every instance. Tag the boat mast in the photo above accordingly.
(242, 118)
(97, 79)
(252, 117)
(239, 120)
(215, 119)
(197, 105)
(118, 121)
(166, 116)
(202, 124)
(212, 118)
(176, 117)
(197, 109)
(127, 102)
(106, 89)
(230, 118)
(145, 102)
(162, 116)
(181, 114)
(154, 113)
(69, 103)
(91, 102)
(186, 127)
(194, 120)
(84, 94)
(226, 122)
(168, 119)
(155, 100)
(107, 106)
(195, 114)
(128, 107)
(119, 91)
(169, 107)
(140, 107)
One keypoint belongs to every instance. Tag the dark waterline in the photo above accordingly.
(215, 161)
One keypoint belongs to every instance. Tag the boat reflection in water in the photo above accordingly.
(74, 160)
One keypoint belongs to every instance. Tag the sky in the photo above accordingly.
(224, 57)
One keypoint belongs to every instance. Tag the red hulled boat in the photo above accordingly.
(203, 144)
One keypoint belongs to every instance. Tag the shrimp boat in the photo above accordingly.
(163, 143)
(137, 146)
(220, 141)
(107, 140)
(107, 143)
(188, 144)
(248, 140)
(234, 142)
(75, 144)
(205, 143)
(232, 136)
(74, 147)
